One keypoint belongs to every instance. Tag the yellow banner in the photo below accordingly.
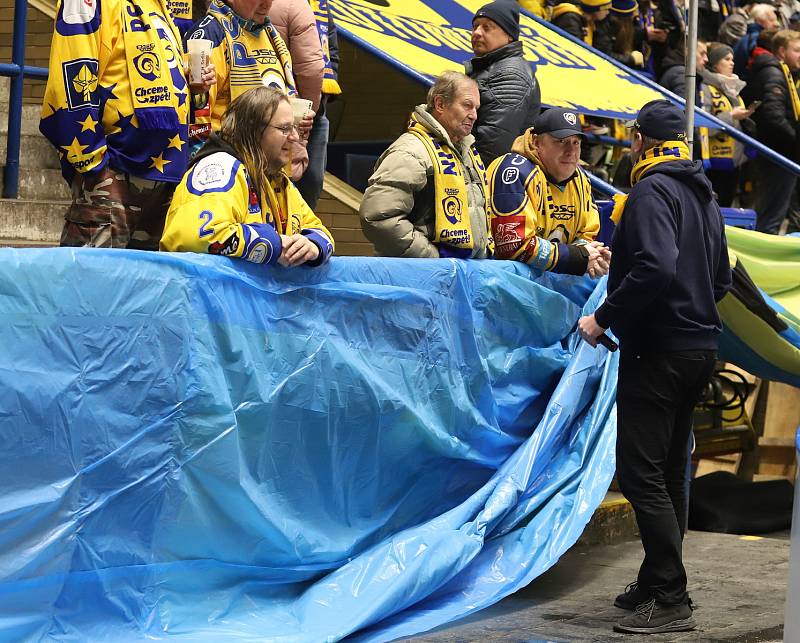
(427, 38)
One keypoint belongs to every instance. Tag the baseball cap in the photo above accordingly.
(661, 120)
(559, 123)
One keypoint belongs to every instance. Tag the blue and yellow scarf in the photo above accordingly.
(667, 152)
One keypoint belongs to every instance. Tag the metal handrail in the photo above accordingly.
(17, 71)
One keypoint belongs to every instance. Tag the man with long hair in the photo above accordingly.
(237, 201)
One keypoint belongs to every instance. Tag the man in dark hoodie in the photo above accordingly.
(510, 95)
(670, 267)
(776, 125)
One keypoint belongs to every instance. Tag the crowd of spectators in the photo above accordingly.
(747, 77)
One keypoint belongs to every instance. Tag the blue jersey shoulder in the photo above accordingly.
(209, 28)
(510, 178)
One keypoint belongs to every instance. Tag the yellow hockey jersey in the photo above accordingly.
(532, 216)
(245, 55)
(92, 106)
(216, 210)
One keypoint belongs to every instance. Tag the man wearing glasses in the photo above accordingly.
(236, 200)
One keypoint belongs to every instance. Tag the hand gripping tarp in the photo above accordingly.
(195, 448)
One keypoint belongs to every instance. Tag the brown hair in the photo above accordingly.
(243, 125)
(783, 38)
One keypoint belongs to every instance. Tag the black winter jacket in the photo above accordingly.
(670, 264)
(573, 23)
(775, 124)
(510, 99)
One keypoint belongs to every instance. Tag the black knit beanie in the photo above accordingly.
(505, 13)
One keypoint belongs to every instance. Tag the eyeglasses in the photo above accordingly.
(286, 130)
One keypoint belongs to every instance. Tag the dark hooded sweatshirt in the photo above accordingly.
(670, 264)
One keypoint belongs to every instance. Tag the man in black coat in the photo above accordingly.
(510, 95)
(776, 125)
(670, 267)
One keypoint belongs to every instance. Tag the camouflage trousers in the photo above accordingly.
(111, 209)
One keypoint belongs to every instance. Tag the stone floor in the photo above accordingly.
(738, 584)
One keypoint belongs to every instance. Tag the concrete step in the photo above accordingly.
(612, 522)
(23, 221)
(30, 113)
(41, 184)
(27, 243)
(35, 151)
(30, 118)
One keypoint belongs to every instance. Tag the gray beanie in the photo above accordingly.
(717, 53)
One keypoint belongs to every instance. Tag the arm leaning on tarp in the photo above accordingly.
(389, 201)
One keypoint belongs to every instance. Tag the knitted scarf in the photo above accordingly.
(453, 224)
(667, 152)
(153, 55)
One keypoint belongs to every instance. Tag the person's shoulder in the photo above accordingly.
(207, 28)
(213, 173)
(509, 177)
(408, 144)
(513, 168)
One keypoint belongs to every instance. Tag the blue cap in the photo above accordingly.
(624, 6)
(661, 120)
(559, 123)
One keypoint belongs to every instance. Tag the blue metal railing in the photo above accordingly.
(17, 71)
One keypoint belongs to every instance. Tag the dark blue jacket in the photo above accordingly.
(743, 48)
(670, 264)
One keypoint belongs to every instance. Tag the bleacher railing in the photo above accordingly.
(17, 71)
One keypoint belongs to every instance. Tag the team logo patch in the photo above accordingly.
(209, 174)
(80, 83)
(508, 234)
(570, 118)
(452, 209)
(510, 175)
(259, 253)
(147, 65)
(226, 248)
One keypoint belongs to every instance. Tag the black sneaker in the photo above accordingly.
(631, 597)
(653, 617)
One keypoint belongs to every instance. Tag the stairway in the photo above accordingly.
(36, 217)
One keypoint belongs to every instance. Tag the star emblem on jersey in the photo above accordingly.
(158, 162)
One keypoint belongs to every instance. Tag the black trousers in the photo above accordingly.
(656, 395)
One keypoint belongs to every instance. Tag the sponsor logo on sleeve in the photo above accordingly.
(508, 233)
(226, 248)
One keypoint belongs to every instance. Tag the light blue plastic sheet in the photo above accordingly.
(195, 448)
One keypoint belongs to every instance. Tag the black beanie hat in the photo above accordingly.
(505, 13)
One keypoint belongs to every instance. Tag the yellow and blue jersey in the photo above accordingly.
(531, 215)
(88, 108)
(216, 210)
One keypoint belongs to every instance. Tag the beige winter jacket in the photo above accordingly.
(398, 212)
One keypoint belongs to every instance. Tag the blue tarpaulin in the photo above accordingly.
(196, 448)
